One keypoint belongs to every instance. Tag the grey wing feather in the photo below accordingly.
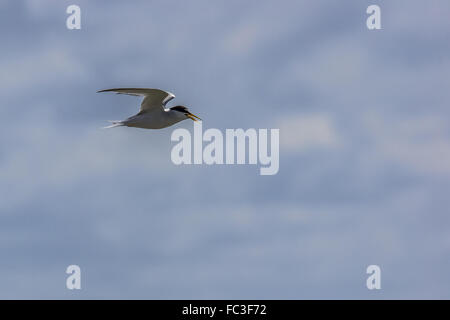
(153, 98)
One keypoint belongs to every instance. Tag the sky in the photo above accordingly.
(364, 150)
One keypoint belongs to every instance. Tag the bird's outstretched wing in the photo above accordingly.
(153, 98)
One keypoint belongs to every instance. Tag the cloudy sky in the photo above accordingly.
(364, 150)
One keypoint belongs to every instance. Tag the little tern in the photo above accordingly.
(152, 114)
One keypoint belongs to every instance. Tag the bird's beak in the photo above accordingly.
(192, 116)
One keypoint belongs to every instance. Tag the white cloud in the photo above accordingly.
(45, 67)
(307, 131)
(419, 143)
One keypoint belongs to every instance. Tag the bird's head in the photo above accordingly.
(186, 112)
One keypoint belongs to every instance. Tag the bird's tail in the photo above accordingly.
(114, 124)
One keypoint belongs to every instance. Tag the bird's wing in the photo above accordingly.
(153, 98)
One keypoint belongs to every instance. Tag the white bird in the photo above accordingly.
(152, 114)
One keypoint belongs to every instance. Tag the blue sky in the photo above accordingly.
(364, 150)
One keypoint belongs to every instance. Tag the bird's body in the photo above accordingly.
(154, 119)
(152, 114)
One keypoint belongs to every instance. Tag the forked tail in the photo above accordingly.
(114, 124)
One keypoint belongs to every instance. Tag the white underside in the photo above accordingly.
(156, 119)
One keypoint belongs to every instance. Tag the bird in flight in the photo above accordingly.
(153, 114)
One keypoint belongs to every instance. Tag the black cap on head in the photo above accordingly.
(180, 109)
